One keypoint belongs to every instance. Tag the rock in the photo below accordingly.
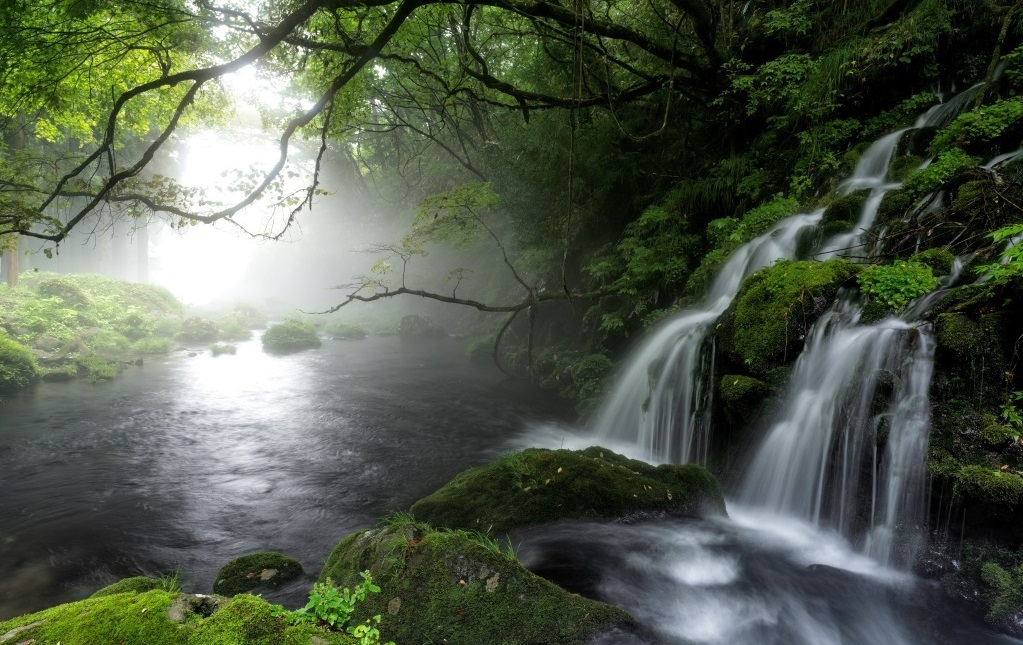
(136, 584)
(537, 486)
(264, 569)
(164, 618)
(48, 343)
(449, 587)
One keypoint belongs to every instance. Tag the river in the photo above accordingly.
(190, 461)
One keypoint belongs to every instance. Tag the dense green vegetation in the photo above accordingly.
(592, 166)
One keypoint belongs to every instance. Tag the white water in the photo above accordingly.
(661, 403)
(827, 457)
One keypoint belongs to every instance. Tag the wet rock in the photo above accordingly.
(537, 486)
(264, 569)
(451, 587)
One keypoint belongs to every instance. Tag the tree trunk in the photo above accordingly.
(11, 258)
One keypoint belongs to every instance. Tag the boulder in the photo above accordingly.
(455, 587)
(263, 569)
(537, 486)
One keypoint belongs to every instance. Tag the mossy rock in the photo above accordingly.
(450, 587)
(18, 368)
(743, 396)
(135, 584)
(263, 569)
(902, 167)
(765, 326)
(537, 486)
(289, 336)
(958, 333)
(939, 260)
(989, 486)
(894, 207)
(64, 288)
(164, 618)
(843, 213)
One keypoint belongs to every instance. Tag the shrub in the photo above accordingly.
(98, 368)
(222, 348)
(290, 335)
(345, 331)
(891, 287)
(198, 330)
(17, 366)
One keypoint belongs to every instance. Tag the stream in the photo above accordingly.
(188, 462)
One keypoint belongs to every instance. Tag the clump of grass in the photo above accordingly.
(222, 348)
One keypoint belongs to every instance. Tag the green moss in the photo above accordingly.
(895, 205)
(990, 486)
(451, 587)
(765, 325)
(290, 335)
(136, 584)
(958, 333)
(903, 167)
(98, 368)
(18, 367)
(939, 260)
(65, 288)
(743, 395)
(949, 170)
(264, 569)
(843, 213)
(146, 619)
(996, 434)
(538, 486)
(1004, 593)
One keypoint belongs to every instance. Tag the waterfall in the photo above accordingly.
(819, 459)
(662, 399)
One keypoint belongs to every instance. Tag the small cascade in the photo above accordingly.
(819, 459)
(662, 399)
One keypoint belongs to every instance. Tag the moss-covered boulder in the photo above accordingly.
(289, 336)
(264, 569)
(18, 367)
(452, 587)
(765, 326)
(742, 396)
(537, 486)
(135, 584)
(164, 618)
(842, 214)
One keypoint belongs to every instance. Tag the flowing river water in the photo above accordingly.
(191, 461)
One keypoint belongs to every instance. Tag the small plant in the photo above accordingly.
(170, 581)
(330, 606)
(222, 348)
(1012, 416)
(895, 285)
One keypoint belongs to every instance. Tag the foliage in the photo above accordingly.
(578, 377)
(18, 367)
(97, 368)
(223, 348)
(198, 330)
(332, 607)
(948, 165)
(231, 328)
(346, 331)
(1010, 266)
(290, 335)
(981, 125)
(419, 326)
(894, 286)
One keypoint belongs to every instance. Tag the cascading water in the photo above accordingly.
(820, 457)
(661, 404)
